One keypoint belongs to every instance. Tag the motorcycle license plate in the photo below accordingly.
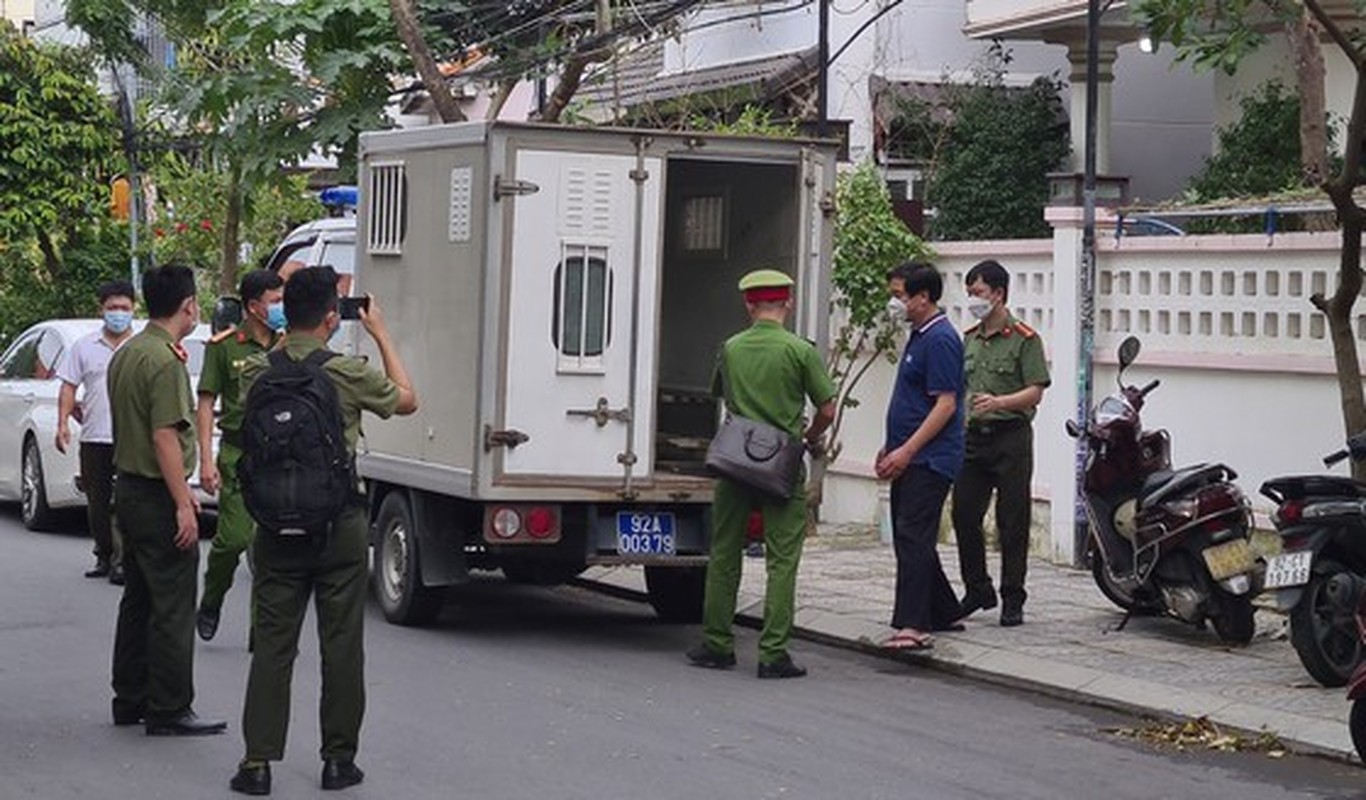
(1229, 559)
(1288, 569)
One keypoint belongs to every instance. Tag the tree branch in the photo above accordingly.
(405, 20)
(1336, 33)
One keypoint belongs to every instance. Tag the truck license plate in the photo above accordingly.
(1288, 569)
(1228, 559)
(645, 533)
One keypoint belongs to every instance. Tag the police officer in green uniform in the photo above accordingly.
(765, 373)
(290, 568)
(262, 294)
(154, 452)
(1006, 376)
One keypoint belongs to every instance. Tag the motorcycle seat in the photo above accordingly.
(1161, 485)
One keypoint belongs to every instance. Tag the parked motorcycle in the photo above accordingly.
(1164, 541)
(1322, 523)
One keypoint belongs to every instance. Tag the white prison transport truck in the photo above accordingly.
(559, 295)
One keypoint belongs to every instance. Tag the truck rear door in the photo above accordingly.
(583, 276)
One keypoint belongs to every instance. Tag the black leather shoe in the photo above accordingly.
(1012, 614)
(254, 779)
(782, 668)
(977, 600)
(127, 714)
(206, 622)
(707, 658)
(340, 774)
(186, 724)
(116, 576)
(100, 570)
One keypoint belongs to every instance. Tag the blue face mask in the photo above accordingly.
(275, 316)
(118, 321)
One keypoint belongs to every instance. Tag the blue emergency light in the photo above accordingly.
(340, 197)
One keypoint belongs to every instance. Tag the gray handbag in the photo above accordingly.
(756, 454)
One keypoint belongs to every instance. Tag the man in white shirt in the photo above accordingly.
(84, 366)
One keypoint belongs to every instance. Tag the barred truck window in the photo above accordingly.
(388, 217)
(581, 322)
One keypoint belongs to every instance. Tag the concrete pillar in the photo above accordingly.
(1054, 453)
(1076, 56)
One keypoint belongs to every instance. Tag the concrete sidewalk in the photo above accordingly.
(1067, 647)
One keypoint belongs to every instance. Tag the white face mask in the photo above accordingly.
(896, 311)
(979, 307)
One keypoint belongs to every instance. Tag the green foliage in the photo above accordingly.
(57, 139)
(1259, 154)
(869, 241)
(990, 178)
(28, 294)
(1212, 35)
(189, 217)
(57, 153)
(751, 121)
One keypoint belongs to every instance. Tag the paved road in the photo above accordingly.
(530, 693)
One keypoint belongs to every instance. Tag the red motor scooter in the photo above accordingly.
(1164, 541)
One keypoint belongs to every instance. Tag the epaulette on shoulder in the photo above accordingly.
(972, 329)
(1025, 330)
(223, 334)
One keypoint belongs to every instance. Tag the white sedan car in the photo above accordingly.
(32, 471)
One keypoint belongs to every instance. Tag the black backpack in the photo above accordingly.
(295, 473)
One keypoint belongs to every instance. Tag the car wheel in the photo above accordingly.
(33, 493)
(397, 579)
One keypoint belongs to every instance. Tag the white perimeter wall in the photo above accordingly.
(1226, 324)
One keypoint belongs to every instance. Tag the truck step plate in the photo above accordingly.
(642, 533)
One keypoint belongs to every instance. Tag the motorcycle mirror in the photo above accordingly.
(1128, 352)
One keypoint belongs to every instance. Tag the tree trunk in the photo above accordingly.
(505, 88)
(232, 226)
(575, 66)
(52, 261)
(1307, 50)
(405, 20)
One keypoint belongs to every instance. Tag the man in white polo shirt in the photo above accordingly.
(84, 365)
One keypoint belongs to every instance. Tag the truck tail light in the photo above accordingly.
(522, 523)
(507, 523)
(540, 522)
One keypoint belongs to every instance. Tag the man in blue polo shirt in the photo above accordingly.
(922, 455)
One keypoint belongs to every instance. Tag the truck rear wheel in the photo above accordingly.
(397, 579)
(676, 592)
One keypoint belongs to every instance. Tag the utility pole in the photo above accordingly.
(823, 71)
(1086, 290)
(130, 149)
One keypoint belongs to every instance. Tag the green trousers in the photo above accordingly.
(784, 530)
(235, 531)
(290, 570)
(154, 640)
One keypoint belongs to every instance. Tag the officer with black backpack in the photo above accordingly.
(303, 405)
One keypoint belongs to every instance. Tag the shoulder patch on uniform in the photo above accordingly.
(1025, 330)
(223, 334)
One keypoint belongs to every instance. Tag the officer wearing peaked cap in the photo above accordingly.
(765, 373)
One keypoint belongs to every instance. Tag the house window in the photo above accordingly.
(388, 219)
(704, 224)
(582, 324)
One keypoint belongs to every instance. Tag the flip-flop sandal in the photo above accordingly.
(909, 643)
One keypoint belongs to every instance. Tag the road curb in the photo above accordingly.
(1302, 735)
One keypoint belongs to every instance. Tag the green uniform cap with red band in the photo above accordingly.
(766, 285)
